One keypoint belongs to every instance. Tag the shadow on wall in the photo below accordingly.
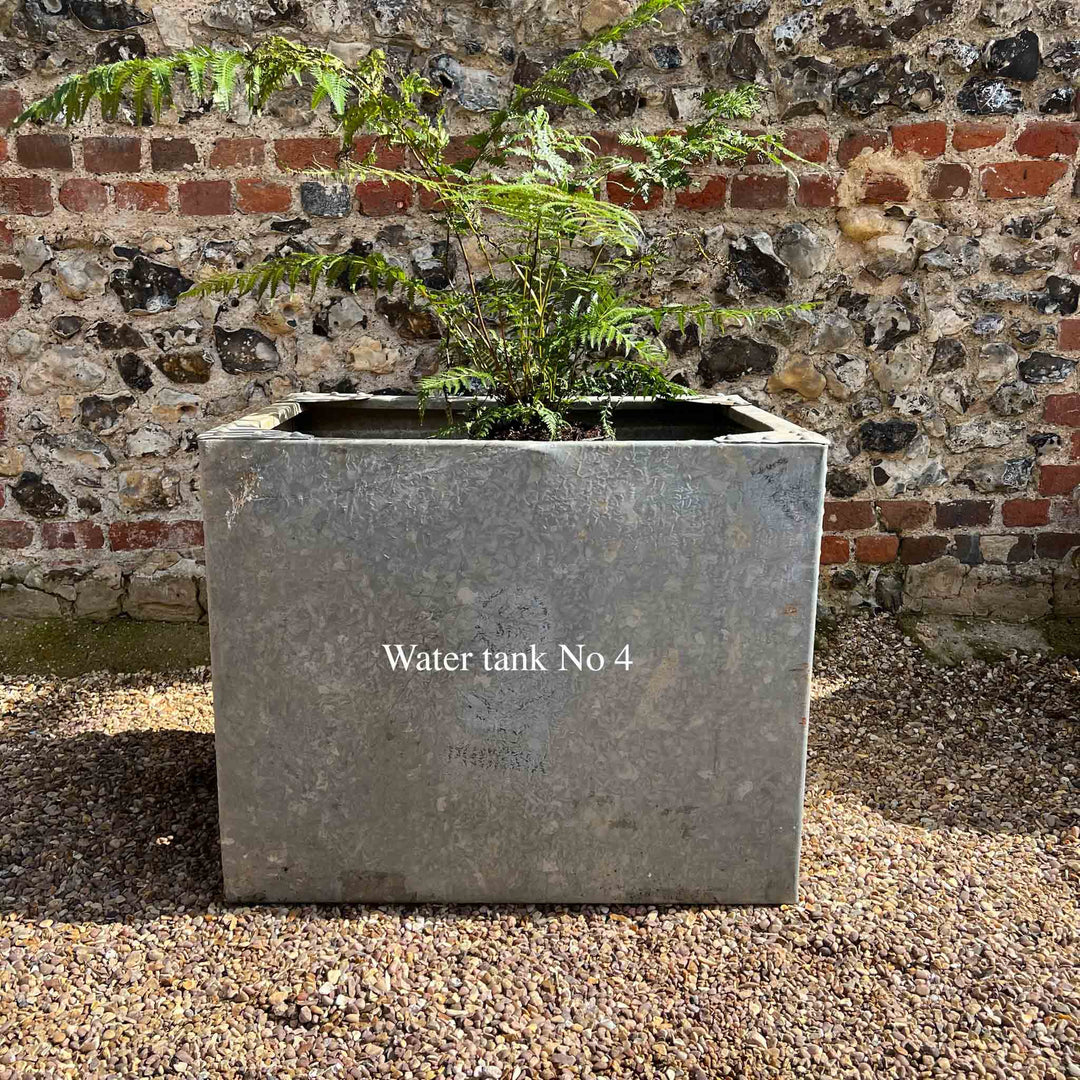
(123, 828)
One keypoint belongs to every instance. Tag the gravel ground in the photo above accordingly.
(938, 932)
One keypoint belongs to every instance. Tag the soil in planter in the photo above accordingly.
(537, 433)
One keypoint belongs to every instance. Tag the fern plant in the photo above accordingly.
(545, 311)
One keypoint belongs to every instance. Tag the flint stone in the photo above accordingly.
(791, 30)
(833, 332)
(846, 377)
(77, 449)
(326, 200)
(756, 267)
(101, 414)
(1014, 57)
(1012, 399)
(186, 365)
(804, 88)
(1059, 102)
(746, 61)
(63, 367)
(843, 483)
(1043, 367)
(1064, 58)
(887, 436)
(865, 88)
(1004, 12)
(1060, 297)
(727, 358)
(846, 28)
(146, 288)
(981, 96)
(986, 325)
(990, 477)
(105, 15)
(1027, 225)
(888, 323)
(962, 54)
(923, 14)
(956, 254)
(799, 375)
(23, 344)
(980, 434)
(245, 351)
(149, 488)
(717, 16)
(67, 326)
(149, 440)
(38, 497)
(135, 372)
(802, 250)
(110, 336)
(80, 277)
(1025, 262)
(916, 471)
(418, 324)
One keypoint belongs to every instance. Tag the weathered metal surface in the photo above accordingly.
(677, 778)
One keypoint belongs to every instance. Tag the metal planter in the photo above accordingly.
(653, 599)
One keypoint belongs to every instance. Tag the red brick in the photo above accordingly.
(811, 144)
(835, 549)
(816, 190)
(81, 196)
(1069, 334)
(1063, 408)
(7, 237)
(11, 272)
(16, 534)
(9, 303)
(948, 181)
(237, 153)
(386, 157)
(903, 515)
(171, 155)
(205, 198)
(976, 134)
(306, 153)
(621, 192)
(1074, 450)
(1043, 139)
(607, 143)
(82, 535)
(884, 188)
(45, 151)
(757, 192)
(922, 549)
(254, 196)
(843, 516)
(1058, 479)
(111, 154)
(10, 105)
(1020, 179)
(131, 535)
(963, 513)
(1050, 545)
(3, 151)
(142, 195)
(1024, 513)
(878, 549)
(710, 196)
(377, 199)
(26, 195)
(926, 139)
(855, 142)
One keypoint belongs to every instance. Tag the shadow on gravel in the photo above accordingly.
(993, 749)
(107, 828)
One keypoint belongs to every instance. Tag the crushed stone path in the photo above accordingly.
(938, 932)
